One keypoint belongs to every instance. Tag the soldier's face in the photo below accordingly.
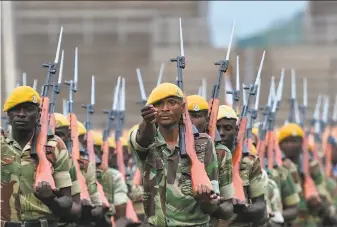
(291, 147)
(24, 116)
(169, 111)
(63, 133)
(82, 140)
(199, 119)
(98, 151)
(112, 158)
(227, 129)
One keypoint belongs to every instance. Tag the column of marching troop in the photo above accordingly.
(189, 162)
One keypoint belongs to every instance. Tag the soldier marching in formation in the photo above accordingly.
(189, 161)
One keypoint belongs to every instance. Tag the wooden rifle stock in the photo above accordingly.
(105, 155)
(120, 158)
(278, 152)
(270, 151)
(214, 108)
(237, 181)
(44, 168)
(261, 150)
(137, 178)
(328, 156)
(75, 153)
(198, 172)
(92, 155)
(310, 190)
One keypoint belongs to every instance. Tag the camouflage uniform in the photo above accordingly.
(168, 197)
(226, 188)
(305, 218)
(88, 170)
(17, 166)
(274, 201)
(135, 193)
(255, 182)
(114, 187)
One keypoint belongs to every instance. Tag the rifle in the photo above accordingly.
(44, 168)
(186, 137)
(236, 93)
(317, 130)
(90, 141)
(56, 91)
(293, 96)
(327, 147)
(242, 143)
(214, 101)
(264, 133)
(73, 143)
(106, 133)
(24, 79)
(304, 106)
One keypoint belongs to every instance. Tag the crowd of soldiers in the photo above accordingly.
(189, 162)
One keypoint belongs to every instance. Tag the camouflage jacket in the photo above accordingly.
(273, 197)
(224, 156)
(168, 197)
(18, 202)
(88, 170)
(286, 185)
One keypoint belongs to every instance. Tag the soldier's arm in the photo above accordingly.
(145, 134)
(90, 177)
(120, 196)
(225, 210)
(290, 197)
(258, 181)
(76, 208)
(62, 204)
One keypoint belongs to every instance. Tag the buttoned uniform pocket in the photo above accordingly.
(152, 175)
(8, 167)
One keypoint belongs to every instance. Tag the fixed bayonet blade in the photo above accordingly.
(24, 79)
(334, 116)
(273, 90)
(160, 76)
(260, 68)
(76, 69)
(270, 97)
(200, 91)
(65, 106)
(92, 90)
(182, 53)
(61, 68)
(293, 84)
(123, 95)
(278, 94)
(116, 94)
(297, 114)
(237, 73)
(141, 85)
(244, 95)
(35, 84)
(58, 46)
(230, 43)
(279, 97)
(305, 93)
(317, 108)
(325, 109)
(257, 95)
(204, 88)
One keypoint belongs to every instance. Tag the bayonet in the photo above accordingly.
(204, 88)
(141, 87)
(56, 87)
(334, 115)
(35, 84)
(24, 79)
(160, 76)
(293, 96)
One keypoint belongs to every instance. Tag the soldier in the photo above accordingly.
(290, 140)
(21, 203)
(198, 110)
(112, 181)
(284, 180)
(168, 197)
(89, 213)
(254, 181)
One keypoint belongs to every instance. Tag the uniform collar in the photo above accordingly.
(11, 140)
(160, 141)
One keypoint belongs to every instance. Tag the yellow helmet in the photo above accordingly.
(61, 120)
(196, 103)
(226, 112)
(81, 129)
(97, 137)
(163, 91)
(290, 130)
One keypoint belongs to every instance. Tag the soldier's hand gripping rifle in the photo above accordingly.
(214, 101)
(44, 168)
(74, 144)
(56, 91)
(90, 109)
(241, 147)
(106, 133)
(186, 137)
